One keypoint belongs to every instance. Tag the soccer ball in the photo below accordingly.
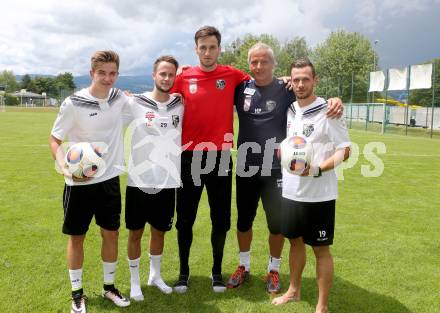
(83, 159)
(295, 154)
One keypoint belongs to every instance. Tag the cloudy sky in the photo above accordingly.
(52, 36)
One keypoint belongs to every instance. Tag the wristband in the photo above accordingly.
(315, 171)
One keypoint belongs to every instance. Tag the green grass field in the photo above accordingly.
(386, 251)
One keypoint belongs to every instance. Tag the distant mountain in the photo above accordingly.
(134, 84)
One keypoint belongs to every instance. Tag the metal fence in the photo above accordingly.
(386, 118)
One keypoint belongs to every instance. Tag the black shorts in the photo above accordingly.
(155, 207)
(218, 184)
(314, 221)
(249, 190)
(81, 203)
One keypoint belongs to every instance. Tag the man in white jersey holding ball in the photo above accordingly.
(309, 209)
(153, 171)
(93, 115)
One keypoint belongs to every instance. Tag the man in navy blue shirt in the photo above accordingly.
(261, 106)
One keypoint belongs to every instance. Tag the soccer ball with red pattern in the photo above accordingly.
(84, 160)
(295, 154)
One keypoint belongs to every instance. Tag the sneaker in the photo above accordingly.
(115, 296)
(181, 286)
(159, 283)
(78, 303)
(217, 283)
(273, 284)
(238, 277)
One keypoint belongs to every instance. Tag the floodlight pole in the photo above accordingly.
(374, 64)
(407, 100)
(433, 96)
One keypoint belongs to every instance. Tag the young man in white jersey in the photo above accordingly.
(93, 115)
(153, 171)
(309, 209)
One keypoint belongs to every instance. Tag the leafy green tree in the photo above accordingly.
(45, 84)
(236, 53)
(25, 82)
(65, 81)
(424, 96)
(7, 78)
(341, 57)
(11, 100)
(297, 48)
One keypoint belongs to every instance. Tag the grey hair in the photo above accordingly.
(261, 46)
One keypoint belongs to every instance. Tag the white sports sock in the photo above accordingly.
(135, 282)
(245, 259)
(274, 264)
(76, 279)
(155, 278)
(109, 270)
(155, 266)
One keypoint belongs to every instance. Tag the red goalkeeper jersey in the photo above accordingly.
(208, 108)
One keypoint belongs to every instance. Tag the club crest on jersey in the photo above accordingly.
(220, 84)
(270, 105)
(193, 85)
(247, 103)
(176, 120)
(150, 117)
(308, 129)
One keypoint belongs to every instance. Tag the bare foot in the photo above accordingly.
(321, 309)
(284, 299)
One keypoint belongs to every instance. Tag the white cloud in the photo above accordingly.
(50, 36)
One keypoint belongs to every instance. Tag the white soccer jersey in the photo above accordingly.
(84, 118)
(326, 135)
(155, 132)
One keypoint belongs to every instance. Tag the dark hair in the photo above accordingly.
(207, 31)
(301, 63)
(165, 58)
(107, 56)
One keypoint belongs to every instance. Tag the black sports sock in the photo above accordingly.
(109, 287)
(218, 238)
(184, 240)
(76, 292)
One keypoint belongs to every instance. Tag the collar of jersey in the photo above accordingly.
(313, 107)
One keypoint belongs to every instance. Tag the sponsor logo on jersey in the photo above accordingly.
(150, 117)
(176, 120)
(193, 85)
(249, 91)
(220, 84)
(308, 129)
(270, 105)
(93, 114)
(247, 103)
(279, 182)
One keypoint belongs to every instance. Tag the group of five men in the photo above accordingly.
(202, 127)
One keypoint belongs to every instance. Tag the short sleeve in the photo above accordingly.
(241, 76)
(177, 87)
(65, 120)
(338, 133)
(127, 111)
(238, 95)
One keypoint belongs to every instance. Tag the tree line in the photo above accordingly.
(343, 62)
(54, 87)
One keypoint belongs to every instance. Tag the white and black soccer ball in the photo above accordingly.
(295, 154)
(84, 159)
